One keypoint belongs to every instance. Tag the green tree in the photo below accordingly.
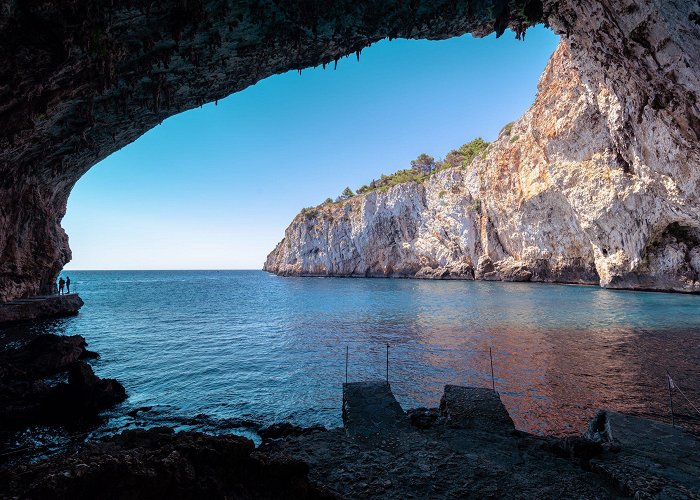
(424, 164)
(472, 149)
(327, 201)
(362, 189)
(453, 159)
(346, 194)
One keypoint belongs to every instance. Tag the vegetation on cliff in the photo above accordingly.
(422, 168)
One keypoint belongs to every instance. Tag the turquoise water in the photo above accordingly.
(237, 346)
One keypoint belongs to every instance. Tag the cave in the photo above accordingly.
(673, 254)
(80, 80)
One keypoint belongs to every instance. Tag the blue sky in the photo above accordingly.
(214, 188)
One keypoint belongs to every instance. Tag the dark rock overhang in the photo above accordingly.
(80, 79)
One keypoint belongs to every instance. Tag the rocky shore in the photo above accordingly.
(159, 463)
(467, 447)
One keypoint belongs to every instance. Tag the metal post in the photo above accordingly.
(387, 363)
(670, 399)
(346, 363)
(493, 380)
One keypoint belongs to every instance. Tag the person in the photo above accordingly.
(61, 284)
(67, 284)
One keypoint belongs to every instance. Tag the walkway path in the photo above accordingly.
(41, 306)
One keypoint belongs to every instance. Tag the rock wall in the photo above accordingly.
(81, 79)
(568, 193)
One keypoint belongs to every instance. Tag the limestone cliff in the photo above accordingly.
(552, 199)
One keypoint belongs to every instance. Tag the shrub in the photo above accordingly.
(423, 167)
(309, 212)
(346, 194)
(424, 164)
(472, 149)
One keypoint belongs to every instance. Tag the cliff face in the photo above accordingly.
(81, 79)
(553, 199)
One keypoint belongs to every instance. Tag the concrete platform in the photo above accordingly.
(43, 306)
(370, 408)
(474, 407)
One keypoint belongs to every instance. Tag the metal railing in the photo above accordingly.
(347, 364)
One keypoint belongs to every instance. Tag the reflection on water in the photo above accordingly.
(252, 346)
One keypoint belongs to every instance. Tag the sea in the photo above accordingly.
(231, 351)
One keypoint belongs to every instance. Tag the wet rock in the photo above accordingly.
(285, 429)
(134, 413)
(161, 464)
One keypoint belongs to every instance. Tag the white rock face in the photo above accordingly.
(569, 193)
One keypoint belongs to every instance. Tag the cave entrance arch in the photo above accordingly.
(196, 191)
(84, 79)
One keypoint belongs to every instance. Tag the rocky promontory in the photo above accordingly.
(558, 197)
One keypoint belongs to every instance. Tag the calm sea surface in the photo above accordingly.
(235, 346)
